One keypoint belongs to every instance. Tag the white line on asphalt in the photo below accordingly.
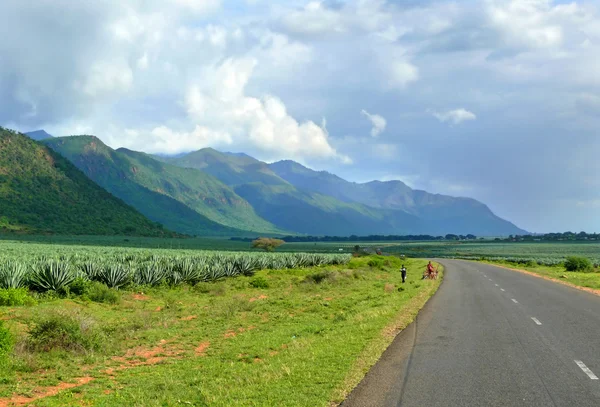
(515, 301)
(496, 285)
(537, 321)
(586, 370)
(502, 289)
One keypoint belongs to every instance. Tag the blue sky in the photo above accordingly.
(497, 99)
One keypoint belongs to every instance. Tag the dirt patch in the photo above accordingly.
(531, 273)
(260, 297)
(189, 318)
(142, 356)
(140, 297)
(201, 349)
(44, 392)
(158, 309)
(229, 334)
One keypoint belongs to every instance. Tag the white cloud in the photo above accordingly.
(378, 122)
(456, 116)
(264, 123)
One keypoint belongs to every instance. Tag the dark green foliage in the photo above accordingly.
(64, 331)
(319, 277)
(259, 282)
(42, 192)
(79, 286)
(576, 263)
(99, 292)
(15, 296)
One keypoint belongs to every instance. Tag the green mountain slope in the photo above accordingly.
(440, 214)
(231, 169)
(118, 173)
(290, 208)
(158, 190)
(38, 135)
(40, 191)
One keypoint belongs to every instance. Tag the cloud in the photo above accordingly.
(456, 116)
(378, 122)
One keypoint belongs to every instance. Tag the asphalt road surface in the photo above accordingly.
(492, 337)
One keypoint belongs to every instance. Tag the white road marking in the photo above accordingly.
(537, 321)
(586, 370)
(515, 301)
(502, 289)
(496, 285)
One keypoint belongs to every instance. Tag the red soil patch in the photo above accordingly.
(260, 297)
(140, 297)
(201, 349)
(188, 318)
(588, 289)
(328, 299)
(43, 393)
(141, 356)
(229, 334)
(158, 309)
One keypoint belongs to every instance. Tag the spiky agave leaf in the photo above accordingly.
(114, 275)
(51, 275)
(12, 274)
(150, 273)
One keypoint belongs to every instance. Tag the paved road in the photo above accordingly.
(492, 337)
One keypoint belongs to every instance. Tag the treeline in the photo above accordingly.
(370, 238)
(554, 237)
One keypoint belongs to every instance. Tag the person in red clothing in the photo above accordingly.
(430, 270)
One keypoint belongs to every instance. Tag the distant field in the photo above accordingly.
(543, 253)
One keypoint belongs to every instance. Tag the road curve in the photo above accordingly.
(492, 337)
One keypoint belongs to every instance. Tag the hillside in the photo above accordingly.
(440, 214)
(41, 192)
(185, 200)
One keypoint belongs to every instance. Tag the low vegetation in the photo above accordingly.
(285, 334)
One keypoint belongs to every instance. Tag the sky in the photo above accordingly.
(498, 100)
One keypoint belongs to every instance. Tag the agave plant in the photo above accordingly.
(149, 274)
(12, 275)
(51, 275)
(114, 276)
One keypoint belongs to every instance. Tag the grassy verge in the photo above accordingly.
(301, 337)
(590, 280)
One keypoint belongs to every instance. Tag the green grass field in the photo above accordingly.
(295, 337)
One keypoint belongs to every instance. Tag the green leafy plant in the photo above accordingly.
(259, 282)
(51, 275)
(15, 296)
(576, 263)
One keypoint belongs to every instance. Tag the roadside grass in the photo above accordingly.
(299, 337)
(580, 279)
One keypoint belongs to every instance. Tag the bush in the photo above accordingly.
(15, 296)
(377, 262)
(259, 282)
(63, 331)
(99, 292)
(79, 286)
(318, 278)
(575, 263)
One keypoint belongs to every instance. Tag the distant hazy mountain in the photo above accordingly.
(185, 200)
(41, 192)
(38, 135)
(440, 213)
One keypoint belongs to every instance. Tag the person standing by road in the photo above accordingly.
(403, 271)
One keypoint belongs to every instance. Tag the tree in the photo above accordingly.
(267, 244)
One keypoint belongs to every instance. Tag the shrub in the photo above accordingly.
(376, 262)
(575, 263)
(99, 292)
(319, 277)
(267, 244)
(259, 282)
(79, 286)
(64, 331)
(15, 296)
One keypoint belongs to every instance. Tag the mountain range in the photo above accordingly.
(207, 192)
